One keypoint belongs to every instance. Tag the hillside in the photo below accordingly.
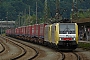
(13, 9)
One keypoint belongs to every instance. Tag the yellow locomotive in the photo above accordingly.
(62, 35)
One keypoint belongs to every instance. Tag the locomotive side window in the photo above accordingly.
(49, 28)
(67, 28)
(55, 28)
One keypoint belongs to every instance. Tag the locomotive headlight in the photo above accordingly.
(74, 38)
(60, 38)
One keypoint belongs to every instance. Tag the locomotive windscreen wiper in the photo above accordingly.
(67, 30)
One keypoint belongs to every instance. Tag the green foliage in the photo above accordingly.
(85, 14)
(14, 7)
(84, 45)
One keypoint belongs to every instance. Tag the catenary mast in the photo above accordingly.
(46, 11)
(57, 15)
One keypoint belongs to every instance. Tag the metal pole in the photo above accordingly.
(7, 20)
(57, 15)
(46, 11)
(29, 15)
(72, 10)
(36, 12)
(19, 19)
(25, 17)
(1, 26)
(22, 22)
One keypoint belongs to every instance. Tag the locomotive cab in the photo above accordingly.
(68, 36)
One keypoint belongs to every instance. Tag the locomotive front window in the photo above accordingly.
(67, 28)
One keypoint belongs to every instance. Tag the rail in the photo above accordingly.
(29, 47)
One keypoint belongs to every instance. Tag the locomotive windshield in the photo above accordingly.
(67, 28)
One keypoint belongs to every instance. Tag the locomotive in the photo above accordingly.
(61, 36)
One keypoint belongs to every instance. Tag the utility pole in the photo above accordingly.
(36, 12)
(23, 22)
(1, 26)
(29, 16)
(19, 20)
(24, 18)
(7, 20)
(46, 11)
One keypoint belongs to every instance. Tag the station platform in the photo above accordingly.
(84, 41)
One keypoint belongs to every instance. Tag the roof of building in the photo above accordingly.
(9, 22)
(84, 20)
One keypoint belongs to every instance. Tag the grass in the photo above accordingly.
(83, 45)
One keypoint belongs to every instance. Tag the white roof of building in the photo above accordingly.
(9, 22)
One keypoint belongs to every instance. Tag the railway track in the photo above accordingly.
(8, 52)
(24, 51)
(63, 55)
(3, 48)
(18, 44)
(21, 49)
(70, 56)
(78, 57)
(59, 53)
